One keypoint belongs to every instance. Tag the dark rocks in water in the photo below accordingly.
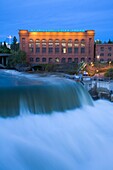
(23, 67)
(2, 66)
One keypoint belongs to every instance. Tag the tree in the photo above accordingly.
(110, 42)
(4, 48)
(109, 73)
(17, 57)
(15, 44)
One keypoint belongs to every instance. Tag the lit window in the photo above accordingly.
(69, 43)
(63, 43)
(57, 42)
(76, 43)
(37, 43)
(64, 50)
(44, 43)
(50, 43)
(57, 60)
(82, 42)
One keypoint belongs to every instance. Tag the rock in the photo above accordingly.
(23, 67)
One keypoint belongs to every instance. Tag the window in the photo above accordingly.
(63, 43)
(37, 50)
(37, 43)
(76, 50)
(109, 54)
(43, 59)
(82, 59)
(69, 60)
(23, 40)
(37, 59)
(102, 48)
(31, 59)
(57, 60)
(50, 50)
(31, 40)
(64, 50)
(50, 43)
(76, 43)
(44, 43)
(82, 42)
(69, 43)
(82, 50)
(101, 54)
(109, 48)
(50, 60)
(69, 49)
(101, 59)
(43, 49)
(90, 39)
(63, 60)
(57, 50)
(31, 50)
(57, 42)
(76, 60)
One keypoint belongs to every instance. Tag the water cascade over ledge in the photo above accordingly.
(40, 95)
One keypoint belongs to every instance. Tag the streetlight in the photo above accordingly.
(98, 70)
(109, 63)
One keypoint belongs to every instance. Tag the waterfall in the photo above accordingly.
(41, 95)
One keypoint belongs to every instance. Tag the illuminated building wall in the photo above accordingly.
(104, 51)
(57, 46)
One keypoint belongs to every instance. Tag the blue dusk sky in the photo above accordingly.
(57, 14)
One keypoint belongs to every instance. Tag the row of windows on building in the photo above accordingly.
(109, 54)
(63, 50)
(57, 60)
(105, 48)
(56, 42)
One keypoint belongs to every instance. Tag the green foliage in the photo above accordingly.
(15, 44)
(17, 57)
(4, 49)
(109, 73)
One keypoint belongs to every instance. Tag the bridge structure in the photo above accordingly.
(4, 58)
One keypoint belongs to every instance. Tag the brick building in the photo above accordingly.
(57, 46)
(104, 52)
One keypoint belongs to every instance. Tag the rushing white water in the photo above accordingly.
(80, 139)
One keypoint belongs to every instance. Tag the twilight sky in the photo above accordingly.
(57, 14)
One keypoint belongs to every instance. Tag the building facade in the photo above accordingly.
(57, 46)
(104, 52)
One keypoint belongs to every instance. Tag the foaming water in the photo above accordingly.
(39, 94)
(78, 135)
(80, 139)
